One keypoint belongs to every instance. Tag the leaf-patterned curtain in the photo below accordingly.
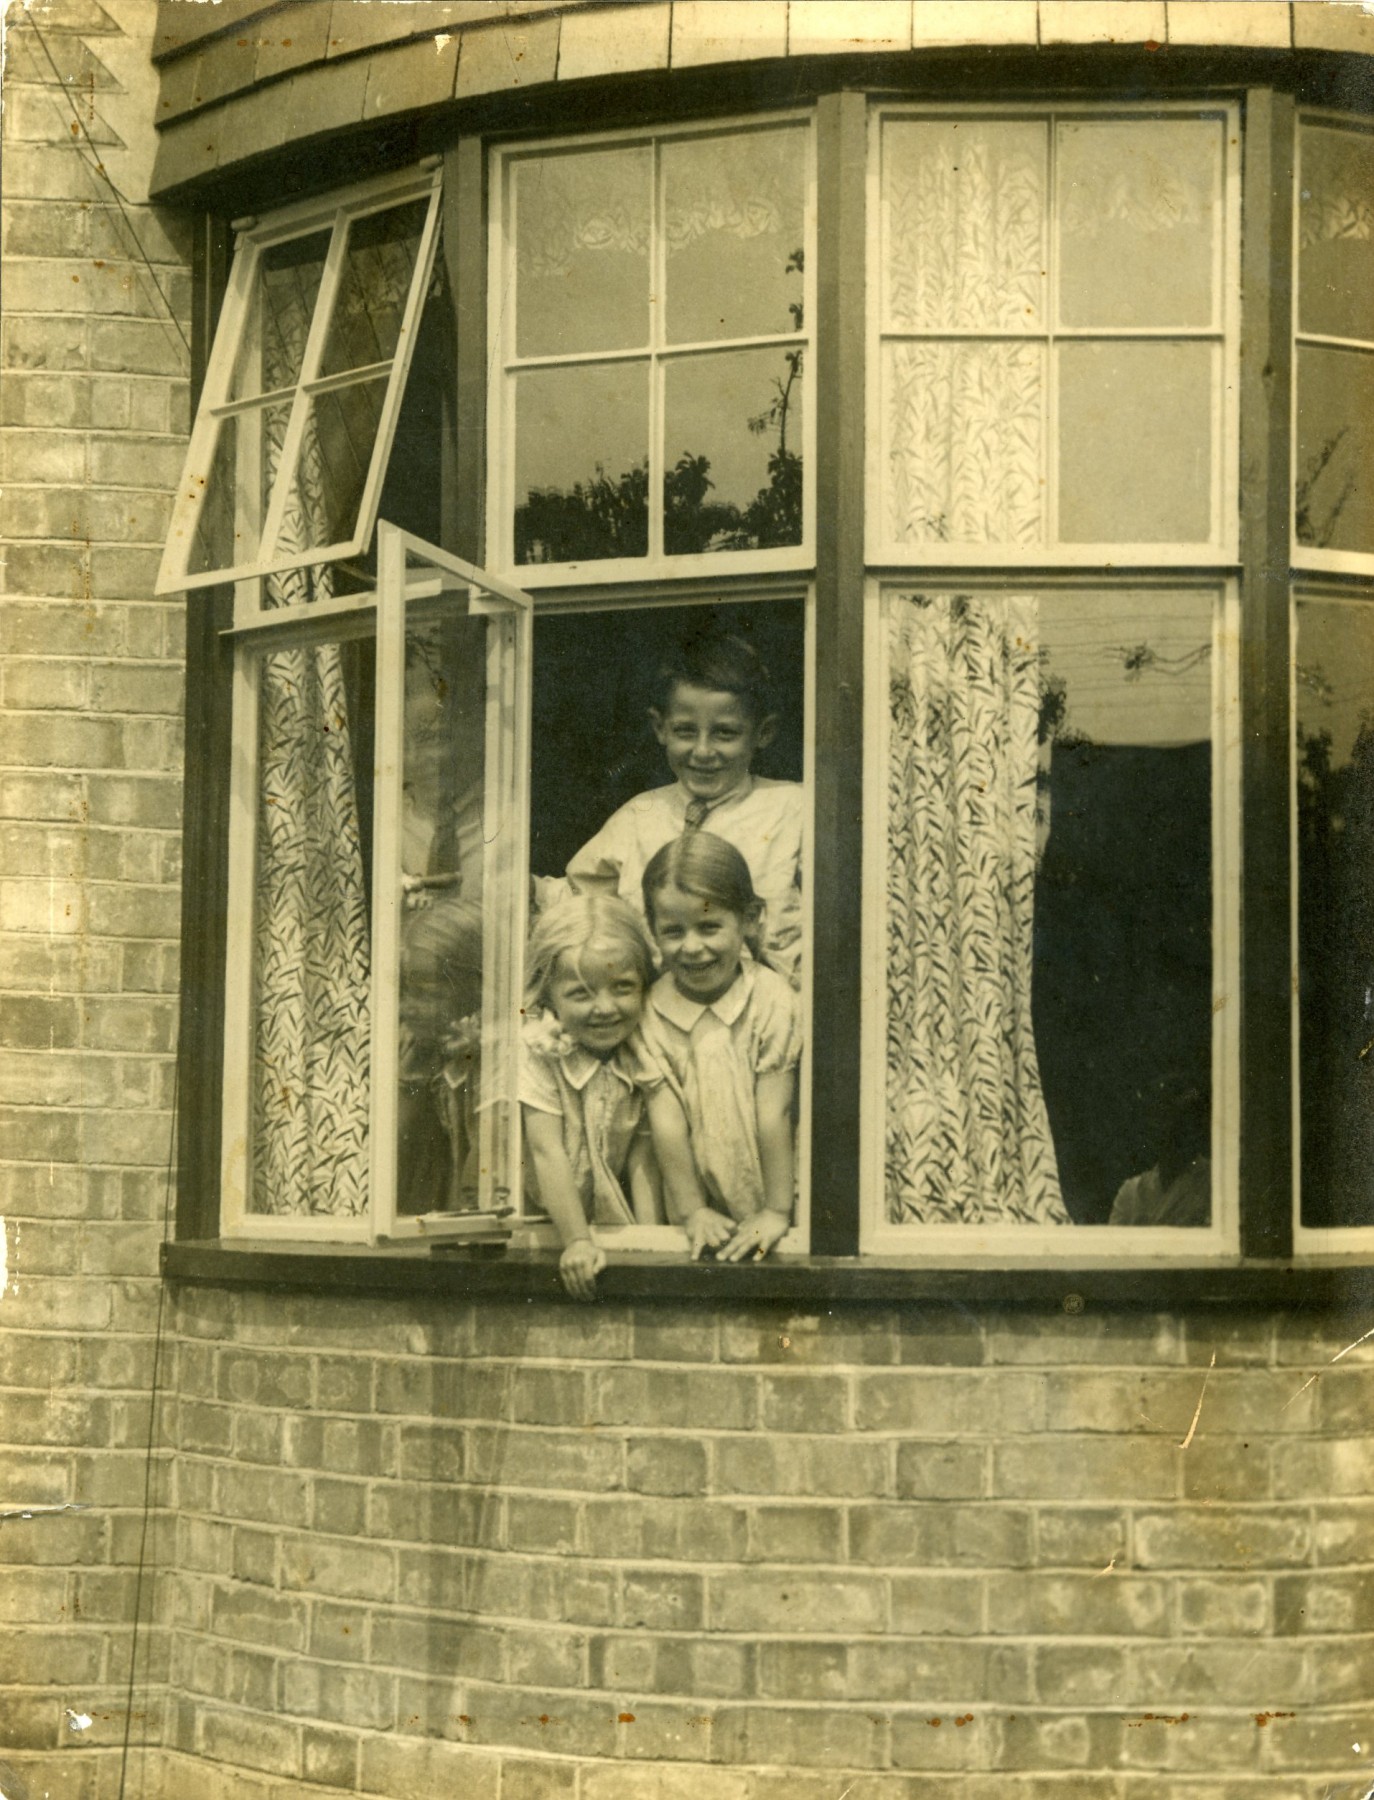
(968, 1139)
(312, 947)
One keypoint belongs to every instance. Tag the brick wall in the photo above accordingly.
(93, 399)
(513, 1553)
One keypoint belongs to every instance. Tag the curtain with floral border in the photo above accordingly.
(967, 1138)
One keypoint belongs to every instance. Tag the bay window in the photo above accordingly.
(978, 493)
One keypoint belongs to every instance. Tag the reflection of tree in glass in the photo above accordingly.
(1311, 528)
(603, 517)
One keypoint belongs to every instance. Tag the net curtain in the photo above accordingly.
(968, 1137)
(312, 926)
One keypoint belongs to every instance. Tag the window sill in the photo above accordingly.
(796, 1280)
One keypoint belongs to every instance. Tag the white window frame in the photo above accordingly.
(1222, 549)
(334, 212)
(1068, 1246)
(1311, 558)
(505, 364)
(383, 610)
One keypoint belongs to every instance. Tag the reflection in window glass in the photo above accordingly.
(1335, 872)
(1334, 494)
(280, 310)
(1336, 233)
(1135, 442)
(374, 286)
(1139, 206)
(341, 427)
(582, 463)
(438, 1128)
(582, 251)
(1049, 967)
(311, 1022)
(733, 465)
(734, 221)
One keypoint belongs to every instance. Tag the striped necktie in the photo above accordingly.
(695, 816)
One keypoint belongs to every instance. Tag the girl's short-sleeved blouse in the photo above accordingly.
(601, 1104)
(712, 1056)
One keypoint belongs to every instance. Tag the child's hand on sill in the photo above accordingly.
(579, 1266)
(707, 1230)
(756, 1237)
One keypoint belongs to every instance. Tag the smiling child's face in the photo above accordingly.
(710, 738)
(701, 943)
(597, 997)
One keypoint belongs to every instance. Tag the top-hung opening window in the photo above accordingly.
(303, 386)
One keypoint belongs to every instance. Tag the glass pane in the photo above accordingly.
(1049, 908)
(1139, 210)
(1334, 500)
(732, 451)
(1335, 749)
(279, 314)
(1336, 233)
(964, 217)
(312, 932)
(1135, 443)
(735, 223)
(438, 1128)
(237, 488)
(582, 463)
(331, 469)
(582, 251)
(374, 284)
(963, 443)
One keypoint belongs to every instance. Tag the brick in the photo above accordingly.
(917, 1743)
(1088, 1537)
(365, 1698)
(672, 1398)
(1120, 1339)
(1319, 1470)
(676, 1334)
(1223, 1607)
(949, 1403)
(1329, 1602)
(37, 1023)
(665, 1465)
(419, 1641)
(797, 1533)
(779, 1465)
(542, 1657)
(1255, 1675)
(343, 1570)
(797, 1601)
(1043, 1605)
(860, 1335)
(801, 1671)
(814, 1737)
(43, 343)
(932, 1469)
(256, 1616)
(1086, 1469)
(407, 1768)
(249, 1740)
(1193, 1538)
(543, 1459)
(809, 1402)
(662, 1601)
(1225, 1469)
(329, 1757)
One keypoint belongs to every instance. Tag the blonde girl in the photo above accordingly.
(583, 1083)
(723, 1026)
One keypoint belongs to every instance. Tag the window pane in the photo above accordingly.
(331, 469)
(1139, 207)
(582, 251)
(1334, 501)
(733, 451)
(1049, 908)
(582, 463)
(1336, 233)
(964, 210)
(1135, 442)
(963, 458)
(1335, 862)
(374, 285)
(238, 487)
(310, 1067)
(734, 220)
(438, 1124)
(279, 315)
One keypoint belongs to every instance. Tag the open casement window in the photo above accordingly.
(1333, 439)
(377, 871)
(1052, 374)
(652, 383)
(286, 459)
(1052, 826)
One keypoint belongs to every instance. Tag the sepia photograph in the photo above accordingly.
(687, 900)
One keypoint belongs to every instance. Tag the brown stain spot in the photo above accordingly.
(1157, 1719)
(464, 1719)
(1262, 1719)
(544, 1719)
(964, 1719)
(1153, 44)
(934, 1721)
(625, 1718)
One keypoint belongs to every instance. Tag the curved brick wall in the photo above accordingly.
(931, 1554)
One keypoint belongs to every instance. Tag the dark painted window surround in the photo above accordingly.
(1270, 88)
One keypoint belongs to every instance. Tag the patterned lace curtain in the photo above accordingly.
(968, 1139)
(312, 933)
